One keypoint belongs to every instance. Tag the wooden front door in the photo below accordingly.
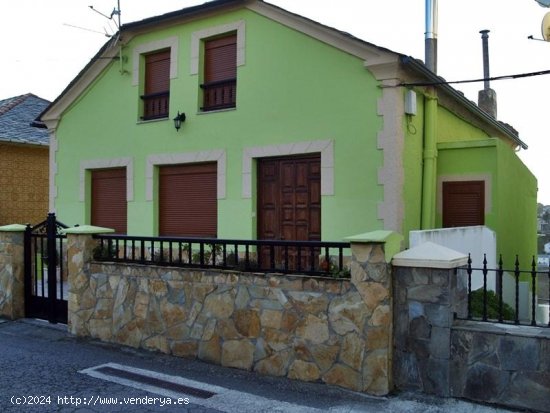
(289, 199)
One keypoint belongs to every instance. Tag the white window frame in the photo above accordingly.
(89, 165)
(217, 155)
(197, 37)
(171, 43)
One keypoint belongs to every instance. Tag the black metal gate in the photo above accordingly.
(46, 286)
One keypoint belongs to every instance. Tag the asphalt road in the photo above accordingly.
(43, 369)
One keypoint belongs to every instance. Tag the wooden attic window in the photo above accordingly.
(220, 73)
(156, 95)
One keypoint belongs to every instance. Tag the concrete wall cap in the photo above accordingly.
(86, 230)
(13, 228)
(430, 255)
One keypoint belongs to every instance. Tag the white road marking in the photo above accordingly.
(225, 400)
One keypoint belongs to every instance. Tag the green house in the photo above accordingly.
(237, 119)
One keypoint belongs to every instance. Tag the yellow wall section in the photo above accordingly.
(23, 184)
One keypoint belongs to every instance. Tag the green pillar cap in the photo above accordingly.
(391, 239)
(13, 228)
(87, 230)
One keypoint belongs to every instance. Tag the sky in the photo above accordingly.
(42, 51)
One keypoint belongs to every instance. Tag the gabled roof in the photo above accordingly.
(372, 54)
(17, 116)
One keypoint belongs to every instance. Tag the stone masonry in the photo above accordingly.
(12, 290)
(436, 351)
(507, 365)
(312, 329)
(424, 314)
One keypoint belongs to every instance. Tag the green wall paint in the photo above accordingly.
(517, 208)
(276, 104)
(451, 128)
(292, 88)
(512, 210)
(412, 167)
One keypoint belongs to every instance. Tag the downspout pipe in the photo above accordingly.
(429, 160)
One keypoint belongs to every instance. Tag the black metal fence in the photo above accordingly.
(485, 304)
(304, 257)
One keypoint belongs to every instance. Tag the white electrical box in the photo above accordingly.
(410, 102)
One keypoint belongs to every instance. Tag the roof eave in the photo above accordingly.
(18, 142)
(455, 94)
(187, 12)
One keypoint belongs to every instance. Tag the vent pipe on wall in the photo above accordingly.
(487, 98)
(429, 150)
(431, 35)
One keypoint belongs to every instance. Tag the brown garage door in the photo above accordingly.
(463, 203)
(109, 199)
(188, 200)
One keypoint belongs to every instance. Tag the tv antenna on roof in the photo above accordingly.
(115, 12)
(89, 30)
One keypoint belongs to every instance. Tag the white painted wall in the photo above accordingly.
(476, 241)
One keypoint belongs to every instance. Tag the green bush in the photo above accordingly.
(104, 252)
(493, 304)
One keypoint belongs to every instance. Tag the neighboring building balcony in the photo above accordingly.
(155, 105)
(219, 95)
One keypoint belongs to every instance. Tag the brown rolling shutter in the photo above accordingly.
(463, 203)
(157, 85)
(109, 199)
(220, 73)
(188, 204)
(220, 60)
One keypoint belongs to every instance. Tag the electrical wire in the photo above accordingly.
(444, 82)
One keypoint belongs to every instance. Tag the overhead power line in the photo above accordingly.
(444, 82)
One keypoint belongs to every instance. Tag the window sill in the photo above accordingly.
(206, 112)
(143, 121)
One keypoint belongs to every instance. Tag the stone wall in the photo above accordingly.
(507, 365)
(12, 292)
(426, 300)
(436, 353)
(312, 329)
